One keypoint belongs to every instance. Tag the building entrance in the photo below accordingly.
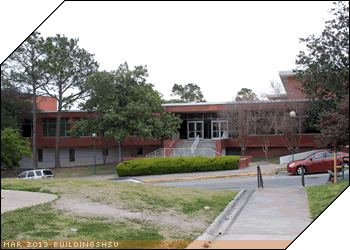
(219, 129)
(195, 128)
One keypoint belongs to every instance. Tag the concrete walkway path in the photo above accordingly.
(18, 199)
(260, 216)
(271, 214)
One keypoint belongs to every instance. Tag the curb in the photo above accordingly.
(208, 177)
(215, 227)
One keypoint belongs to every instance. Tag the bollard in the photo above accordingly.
(302, 178)
(260, 181)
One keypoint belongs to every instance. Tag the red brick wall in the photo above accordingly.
(277, 147)
(293, 92)
(46, 103)
(49, 142)
(243, 163)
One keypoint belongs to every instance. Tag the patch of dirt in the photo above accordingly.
(170, 218)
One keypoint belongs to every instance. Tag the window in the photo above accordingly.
(71, 155)
(40, 154)
(38, 173)
(49, 127)
(319, 156)
(27, 128)
(23, 175)
(30, 174)
(331, 154)
(139, 151)
(252, 126)
(47, 172)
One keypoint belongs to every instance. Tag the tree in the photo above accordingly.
(189, 93)
(265, 119)
(171, 101)
(125, 105)
(13, 147)
(324, 70)
(292, 134)
(334, 126)
(237, 117)
(246, 95)
(26, 71)
(13, 104)
(68, 67)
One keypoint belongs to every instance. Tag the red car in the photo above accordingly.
(320, 161)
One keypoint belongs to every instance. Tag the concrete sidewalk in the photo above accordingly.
(271, 214)
(18, 199)
(262, 214)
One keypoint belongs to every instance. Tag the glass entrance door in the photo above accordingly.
(219, 129)
(195, 128)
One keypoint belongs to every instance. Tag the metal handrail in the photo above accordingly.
(195, 144)
(154, 152)
(172, 142)
(207, 152)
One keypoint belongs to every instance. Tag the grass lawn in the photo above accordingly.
(79, 171)
(274, 160)
(321, 196)
(136, 211)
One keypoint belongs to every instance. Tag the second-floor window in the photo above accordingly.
(49, 127)
(27, 128)
(87, 133)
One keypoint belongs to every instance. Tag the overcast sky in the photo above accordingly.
(220, 46)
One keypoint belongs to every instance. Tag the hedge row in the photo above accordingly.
(176, 164)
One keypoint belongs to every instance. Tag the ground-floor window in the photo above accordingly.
(71, 154)
(139, 151)
(40, 154)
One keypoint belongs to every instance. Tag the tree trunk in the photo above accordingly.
(243, 152)
(35, 159)
(120, 151)
(58, 123)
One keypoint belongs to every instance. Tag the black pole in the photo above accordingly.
(260, 181)
(257, 169)
(293, 136)
(95, 156)
(342, 168)
(302, 177)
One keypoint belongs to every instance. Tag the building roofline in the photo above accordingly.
(196, 104)
(221, 103)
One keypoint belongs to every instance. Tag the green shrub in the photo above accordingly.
(176, 164)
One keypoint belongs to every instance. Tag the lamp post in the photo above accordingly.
(292, 114)
(94, 137)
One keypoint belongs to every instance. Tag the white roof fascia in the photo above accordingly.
(218, 103)
(284, 78)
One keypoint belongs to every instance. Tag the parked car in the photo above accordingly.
(36, 174)
(320, 161)
(126, 179)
